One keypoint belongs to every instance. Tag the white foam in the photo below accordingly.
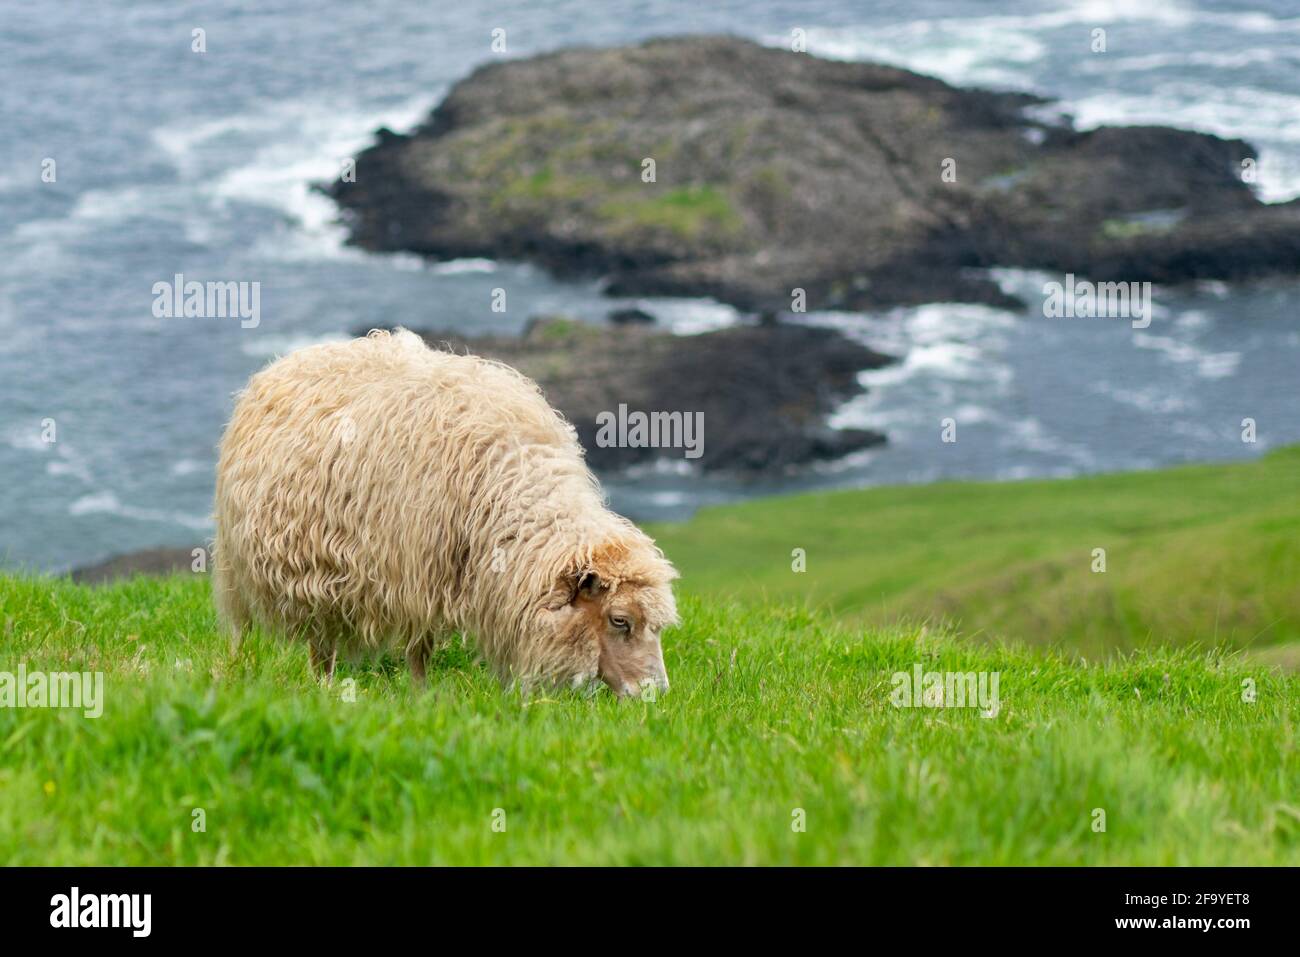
(970, 414)
(1215, 59)
(951, 349)
(457, 267)
(70, 467)
(27, 439)
(304, 142)
(1030, 434)
(1246, 21)
(184, 143)
(106, 503)
(954, 341)
(1214, 287)
(1148, 399)
(97, 209)
(689, 317)
(1209, 365)
(951, 360)
(93, 503)
(1102, 12)
(188, 467)
(980, 51)
(1218, 365)
(1193, 320)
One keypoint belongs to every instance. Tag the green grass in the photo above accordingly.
(626, 207)
(534, 192)
(772, 710)
(690, 212)
(776, 706)
(1204, 555)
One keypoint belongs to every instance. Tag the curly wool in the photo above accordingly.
(379, 494)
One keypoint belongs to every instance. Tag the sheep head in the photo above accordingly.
(619, 604)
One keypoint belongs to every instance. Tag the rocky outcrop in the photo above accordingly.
(861, 184)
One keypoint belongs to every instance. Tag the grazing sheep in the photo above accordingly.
(378, 494)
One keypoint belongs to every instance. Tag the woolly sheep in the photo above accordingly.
(378, 494)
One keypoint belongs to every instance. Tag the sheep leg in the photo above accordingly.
(322, 654)
(417, 657)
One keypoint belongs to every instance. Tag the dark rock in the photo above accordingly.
(623, 317)
(777, 171)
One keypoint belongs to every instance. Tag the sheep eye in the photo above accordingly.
(619, 622)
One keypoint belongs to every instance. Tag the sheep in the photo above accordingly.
(378, 495)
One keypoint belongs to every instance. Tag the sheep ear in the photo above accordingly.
(569, 586)
(582, 584)
(587, 585)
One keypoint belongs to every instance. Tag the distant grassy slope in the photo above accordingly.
(771, 711)
(1207, 554)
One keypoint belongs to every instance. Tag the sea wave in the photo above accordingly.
(1020, 53)
(285, 149)
(458, 267)
(950, 357)
(107, 503)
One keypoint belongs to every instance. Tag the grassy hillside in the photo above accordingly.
(780, 711)
(1206, 555)
(772, 711)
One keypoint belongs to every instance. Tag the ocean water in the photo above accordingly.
(169, 161)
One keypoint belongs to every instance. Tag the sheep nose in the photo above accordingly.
(649, 688)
